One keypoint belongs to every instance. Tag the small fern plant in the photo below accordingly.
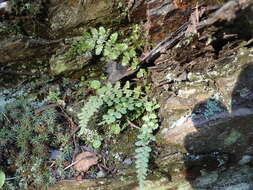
(101, 42)
(150, 123)
(118, 106)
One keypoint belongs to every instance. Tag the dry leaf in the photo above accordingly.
(85, 160)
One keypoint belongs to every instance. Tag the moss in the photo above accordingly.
(30, 136)
(59, 68)
(232, 138)
(123, 148)
(59, 65)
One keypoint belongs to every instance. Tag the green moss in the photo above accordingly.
(232, 138)
(59, 64)
(26, 139)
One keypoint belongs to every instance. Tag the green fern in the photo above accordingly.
(117, 104)
(145, 137)
(100, 42)
(87, 112)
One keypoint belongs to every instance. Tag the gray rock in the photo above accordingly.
(203, 119)
(19, 48)
(68, 14)
(245, 160)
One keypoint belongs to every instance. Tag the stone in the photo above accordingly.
(67, 14)
(245, 160)
(60, 63)
(56, 154)
(20, 48)
(212, 118)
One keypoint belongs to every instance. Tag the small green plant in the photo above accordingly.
(26, 139)
(119, 106)
(101, 42)
(150, 123)
(2, 178)
(122, 7)
(53, 96)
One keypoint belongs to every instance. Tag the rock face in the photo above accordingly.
(64, 17)
(68, 14)
(60, 63)
(162, 16)
(212, 113)
(20, 48)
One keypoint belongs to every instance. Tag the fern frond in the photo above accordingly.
(119, 102)
(143, 150)
(87, 112)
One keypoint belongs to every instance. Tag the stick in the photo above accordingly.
(133, 125)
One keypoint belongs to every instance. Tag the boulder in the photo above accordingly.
(62, 62)
(212, 118)
(20, 48)
(68, 14)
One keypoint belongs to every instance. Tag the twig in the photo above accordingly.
(132, 124)
(75, 162)
(46, 107)
(10, 178)
(18, 73)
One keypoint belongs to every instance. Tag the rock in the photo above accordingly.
(233, 178)
(84, 161)
(187, 98)
(56, 154)
(67, 14)
(20, 48)
(101, 174)
(60, 64)
(127, 161)
(245, 160)
(212, 118)
(207, 179)
(5, 7)
(115, 71)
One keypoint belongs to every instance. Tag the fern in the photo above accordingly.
(145, 137)
(116, 103)
(90, 108)
(100, 42)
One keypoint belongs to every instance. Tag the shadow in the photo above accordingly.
(223, 129)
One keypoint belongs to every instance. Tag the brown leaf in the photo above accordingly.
(85, 160)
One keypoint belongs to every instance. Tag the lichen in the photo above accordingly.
(212, 107)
